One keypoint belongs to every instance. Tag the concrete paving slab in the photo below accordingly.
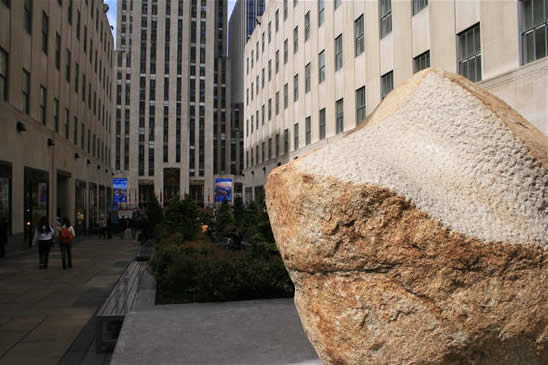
(249, 332)
(42, 312)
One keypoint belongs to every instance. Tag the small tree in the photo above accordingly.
(224, 218)
(154, 216)
(183, 216)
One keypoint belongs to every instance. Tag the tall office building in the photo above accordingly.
(56, 72)
(315, 69)
(173, 129)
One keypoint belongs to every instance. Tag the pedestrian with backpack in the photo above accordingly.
(65, 243)
(43, 236)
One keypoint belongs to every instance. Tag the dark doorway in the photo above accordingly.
(172, 182)
(63, 198)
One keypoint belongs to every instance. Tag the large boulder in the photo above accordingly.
(421, 237)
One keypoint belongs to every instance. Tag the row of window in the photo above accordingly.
(26, 92)
(339, 113)
(359, 44)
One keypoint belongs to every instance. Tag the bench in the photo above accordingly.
(120, 302)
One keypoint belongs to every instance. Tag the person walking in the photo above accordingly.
(65, 243)
(43, 236)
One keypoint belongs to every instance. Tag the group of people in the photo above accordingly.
(44, 236)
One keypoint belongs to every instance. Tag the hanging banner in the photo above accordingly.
(223, 190)
(119, 185)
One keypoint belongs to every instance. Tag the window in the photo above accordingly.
(57, 50)
(277, 60)
(277, 102)
(308, 133)
(337, 3)
(76, 76)
(78, 25)
(307, 26)
(3, 75)
(26, 91)
(469, 53)
(339, 115)
(286, 140)
(285, 9)
(296, 87)
(262, 78)
(45, 28)
(338, 53)
(69, 10)
(277, 20)
(269, 32)
(269, 70)
(262, 44)
(321, 12)
(421, 62)
(295, 136)
(68, 66)
(28, 15)
(269, 108)
(286, 96)
(321, 67)
(75, 131)
(534, 29)
(269, 148)
(277, 144)
(359, 39)
(43, 101)
(67, 120)
(322, 124)
(295, 40)
(418, 5)
(286, 51)
(360, 104)
(56, 114)
(387, 83)
(7, 3)
(307, 78)
(385, 14)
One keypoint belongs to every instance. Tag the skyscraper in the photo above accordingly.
(173, 123)
(56, 72)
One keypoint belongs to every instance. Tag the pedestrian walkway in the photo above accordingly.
(43, 311)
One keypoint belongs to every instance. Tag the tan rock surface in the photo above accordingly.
(421, 237)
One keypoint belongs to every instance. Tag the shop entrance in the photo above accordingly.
(36, 200)
(63, 198)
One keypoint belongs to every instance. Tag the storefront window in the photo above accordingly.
(5, 195)
(92, 205)
(80, 206)
(36, 200)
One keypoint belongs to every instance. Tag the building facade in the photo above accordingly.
(315, 69)
(173, 129)
(56, 72)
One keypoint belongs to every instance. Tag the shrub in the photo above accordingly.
(201, 271)
(182, 216)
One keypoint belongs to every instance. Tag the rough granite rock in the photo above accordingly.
(422, 236)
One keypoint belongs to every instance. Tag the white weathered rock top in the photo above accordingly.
(456, 152)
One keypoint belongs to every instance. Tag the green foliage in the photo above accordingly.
(153, 216)
(182, 216)
(224, 218)
(210, 273)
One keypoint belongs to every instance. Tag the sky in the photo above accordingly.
(113, 4)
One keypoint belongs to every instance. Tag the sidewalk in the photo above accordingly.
(43, 311)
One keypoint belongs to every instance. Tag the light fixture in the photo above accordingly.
(76, 155)
(51, 142)
(20, 126)
(279, 164)
(253, 173)
(264, 170)
(88, 161)
(98, 167)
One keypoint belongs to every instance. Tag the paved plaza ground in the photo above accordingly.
(43, 312)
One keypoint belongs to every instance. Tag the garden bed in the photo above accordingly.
(202, 271)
